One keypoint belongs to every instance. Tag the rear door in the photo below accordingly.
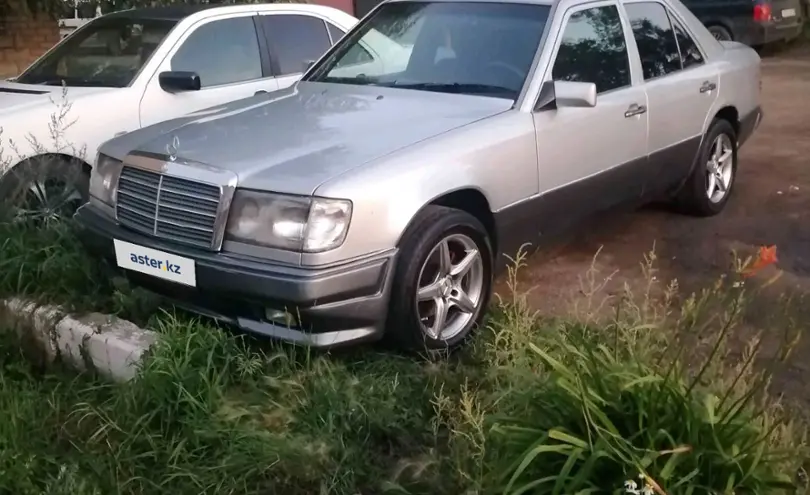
(591, 159)
(230, 58)
(295, 40)
(681, 88)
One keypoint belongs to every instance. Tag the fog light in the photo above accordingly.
(280, 317)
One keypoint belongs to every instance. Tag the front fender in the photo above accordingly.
(496, 157)
(70, 125)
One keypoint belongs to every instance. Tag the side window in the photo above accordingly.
(690, 53)
(593, 50)
(295, 40)
(335, 32)
(356, 55)
(655, 38)
(221, 52)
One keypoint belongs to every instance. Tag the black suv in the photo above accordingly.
(753, 22)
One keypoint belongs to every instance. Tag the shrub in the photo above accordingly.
(592, 406)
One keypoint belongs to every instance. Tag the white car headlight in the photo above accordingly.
(104, 179)
(327, 224)
(282, 221)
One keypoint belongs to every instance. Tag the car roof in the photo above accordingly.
(168, 13)
(536, 2)
(180, 12)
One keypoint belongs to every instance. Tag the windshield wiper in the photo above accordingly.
(484, 89)
(45, 81)
(360, 81)
(48, 80)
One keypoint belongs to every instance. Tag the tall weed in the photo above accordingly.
(653, 392)
(535, 405)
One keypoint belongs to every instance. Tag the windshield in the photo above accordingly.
(105, 52)
(452, 47)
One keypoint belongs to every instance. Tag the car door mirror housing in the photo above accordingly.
(175, 81)
(555, 94)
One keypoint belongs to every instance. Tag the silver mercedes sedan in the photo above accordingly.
(377, 197)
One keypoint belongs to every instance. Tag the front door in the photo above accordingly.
(591, 159)
(227, 55)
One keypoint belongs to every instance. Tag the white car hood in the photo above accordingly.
(15, 97)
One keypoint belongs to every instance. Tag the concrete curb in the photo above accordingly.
(112, 346)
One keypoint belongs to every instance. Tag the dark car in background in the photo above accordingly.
(753, 22)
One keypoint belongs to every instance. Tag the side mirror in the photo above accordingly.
(555, 94)
(175, 81)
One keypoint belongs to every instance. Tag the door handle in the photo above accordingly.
(635, 109)
(260, 92)
(707, 86)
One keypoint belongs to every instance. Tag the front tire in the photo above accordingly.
(442, 283)
(44, 189)
(709, 187)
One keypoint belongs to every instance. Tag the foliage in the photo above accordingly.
(88, 8)
(534, 406)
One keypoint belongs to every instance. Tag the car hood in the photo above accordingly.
(295, 139)
(15, 97)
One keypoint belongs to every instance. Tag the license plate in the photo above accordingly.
(155, 263)
(789, 13)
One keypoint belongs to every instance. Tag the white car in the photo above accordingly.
(135, 68)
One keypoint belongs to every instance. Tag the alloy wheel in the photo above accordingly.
(47, 200)
(451, 287)
(720, 169)
(720, 34)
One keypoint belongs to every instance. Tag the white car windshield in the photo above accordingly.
(454, 47)
(106, 52)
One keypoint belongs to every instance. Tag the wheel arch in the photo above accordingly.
(726, 112)
(65, 157)
(469, 199)
(7, 183)
(731, 114)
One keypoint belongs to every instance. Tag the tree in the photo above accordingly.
(87, 8)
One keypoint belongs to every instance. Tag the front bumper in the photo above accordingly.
(334, 305)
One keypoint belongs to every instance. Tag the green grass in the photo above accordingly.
(532, 406)
(48, 263)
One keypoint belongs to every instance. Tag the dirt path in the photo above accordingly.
(771, 205)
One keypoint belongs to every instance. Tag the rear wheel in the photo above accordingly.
(442, 282)
(720, 33)
(708, 189)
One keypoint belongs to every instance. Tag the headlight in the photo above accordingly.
(104, 179)
(294, 223)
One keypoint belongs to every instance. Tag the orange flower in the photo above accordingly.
(766, 256)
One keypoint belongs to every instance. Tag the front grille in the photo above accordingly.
(168, 207)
